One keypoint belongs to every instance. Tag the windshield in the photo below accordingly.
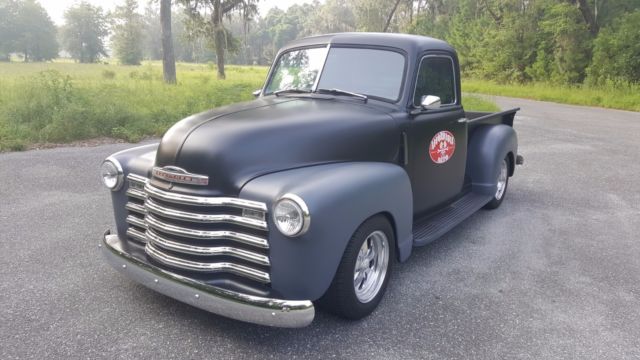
(371, 72)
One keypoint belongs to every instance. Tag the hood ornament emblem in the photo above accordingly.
(175, 174)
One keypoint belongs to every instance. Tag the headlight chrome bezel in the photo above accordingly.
(119, 175)
(303, 210)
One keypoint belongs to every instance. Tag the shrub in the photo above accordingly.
(616, 53)
(108, 74)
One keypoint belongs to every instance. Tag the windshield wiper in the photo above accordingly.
(343, 92)
(291, 91)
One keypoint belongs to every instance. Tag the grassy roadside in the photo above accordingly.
(62, 102)
(65, 102)
(477, 103)
(624, 97)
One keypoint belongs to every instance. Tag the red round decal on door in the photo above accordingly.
(442, 147)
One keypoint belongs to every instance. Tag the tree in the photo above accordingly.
(8, 28)
(127, 33)
(390, 17)
(168, 57)
(376, 15)
(28, 30)
(564, 45)
(84, 32)
(331, 17)
(207, 18)
(152, 48)
(616, 53)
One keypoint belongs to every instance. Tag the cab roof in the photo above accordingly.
(411, 44)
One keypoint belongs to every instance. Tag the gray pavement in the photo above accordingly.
(553, 273)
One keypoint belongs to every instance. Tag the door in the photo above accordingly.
(437, 136)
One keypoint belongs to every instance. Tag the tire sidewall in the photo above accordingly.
(495, 203)
(351, 306)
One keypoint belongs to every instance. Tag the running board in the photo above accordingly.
(431, 228)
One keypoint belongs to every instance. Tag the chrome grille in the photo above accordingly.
(199, 234)
(135, 208)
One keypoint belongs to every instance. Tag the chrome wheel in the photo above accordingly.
(502, 179)
(371, 266)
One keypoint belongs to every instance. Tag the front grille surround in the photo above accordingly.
(199, 234)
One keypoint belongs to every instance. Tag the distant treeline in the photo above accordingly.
(558, 41)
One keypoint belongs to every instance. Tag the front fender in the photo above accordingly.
(340, 197)
(488, 145)
(139, 161)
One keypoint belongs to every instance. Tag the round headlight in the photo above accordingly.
(111, 174)
(291, 215)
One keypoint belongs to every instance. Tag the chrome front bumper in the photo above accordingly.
(253, 309)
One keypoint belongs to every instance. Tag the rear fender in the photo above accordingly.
(340, 197)
(488, 145)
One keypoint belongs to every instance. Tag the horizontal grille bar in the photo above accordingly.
(137, 179)
(154, 192)
(157, 224)
(179, 263)
(135, 193)
(136, 221)
(206, 250)
(161, 210)
(137, 235)
(136, 208)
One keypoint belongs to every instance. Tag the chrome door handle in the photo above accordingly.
(463, 120)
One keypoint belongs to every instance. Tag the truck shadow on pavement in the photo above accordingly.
(433, 286)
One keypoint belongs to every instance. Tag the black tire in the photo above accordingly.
(497, 199)
(341, 298)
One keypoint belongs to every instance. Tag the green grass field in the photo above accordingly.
(63, 102)
(624, 97)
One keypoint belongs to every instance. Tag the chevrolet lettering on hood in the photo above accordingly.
(175, 174)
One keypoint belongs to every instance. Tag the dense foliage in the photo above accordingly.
(556, 41)
(617, 51)
(564, 42)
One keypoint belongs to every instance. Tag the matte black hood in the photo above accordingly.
(234, 144)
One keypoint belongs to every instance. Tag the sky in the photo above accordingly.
(56, 8)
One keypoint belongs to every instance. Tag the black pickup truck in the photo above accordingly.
(356, 151)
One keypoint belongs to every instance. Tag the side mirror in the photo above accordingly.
(430, 102)
(257, 93)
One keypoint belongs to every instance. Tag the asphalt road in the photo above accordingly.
(553, 273)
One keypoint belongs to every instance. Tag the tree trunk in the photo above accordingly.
(219, 42)
(168, 56)
(218, 38)
(393, 11)
(497, 18)
(588, 16)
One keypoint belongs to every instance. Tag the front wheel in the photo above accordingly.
(502, 183)
(364, 271)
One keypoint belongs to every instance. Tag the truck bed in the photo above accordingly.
(476, 118)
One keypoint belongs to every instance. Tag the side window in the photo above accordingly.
(436, 77)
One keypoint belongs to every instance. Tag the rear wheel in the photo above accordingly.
(364, 271)
(502, 184)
